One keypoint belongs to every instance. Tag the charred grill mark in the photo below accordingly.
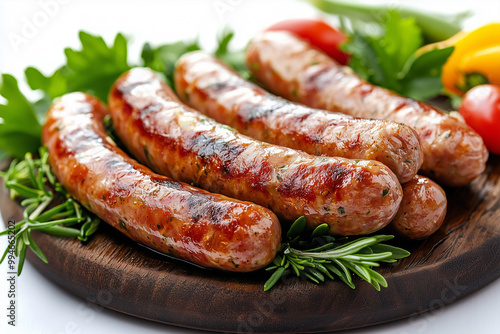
(250, 111)
(151, 109)
(364, 90)
(61, 149)
(319, 79)
(117, 93)
(219, 87)
(259, 181)
(296, 185)
(80, 141)
(126, 87)
(127, 109)
(332, 178)
(114, 163)
(339, 175)
(202, 205)
(215, 212)
(208, 148)
(166, 183)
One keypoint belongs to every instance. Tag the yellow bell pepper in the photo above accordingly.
(474, 61)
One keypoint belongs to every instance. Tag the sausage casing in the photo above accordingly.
(454, 154)
(353, 197)
(208, 229)
(209, 86)
(422, 210)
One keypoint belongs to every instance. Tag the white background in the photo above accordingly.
(45, 308)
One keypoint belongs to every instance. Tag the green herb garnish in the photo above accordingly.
(388, 57)
(20, 124)
(162, 58)
(47, 207)
(235, 59)
(315, 256)
(435, 26)
(92, 69)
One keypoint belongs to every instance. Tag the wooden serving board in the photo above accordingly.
(110, 270)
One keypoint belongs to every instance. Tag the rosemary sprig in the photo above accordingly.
(33, 180)
(316, 256)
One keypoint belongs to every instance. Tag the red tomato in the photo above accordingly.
(318, 33)
(481, 110)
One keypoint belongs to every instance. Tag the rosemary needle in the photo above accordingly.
(316, 256)
(33, 180)
(309, 254)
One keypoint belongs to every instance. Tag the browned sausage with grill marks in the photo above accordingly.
(172, 217)
(454, 154)
(209, 86)
(353, 197)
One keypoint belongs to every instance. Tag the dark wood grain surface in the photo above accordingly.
(110, 270)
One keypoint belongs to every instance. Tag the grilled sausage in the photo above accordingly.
(353, 197)
(207, 85)
(422, 210)
(454, 154)
(212, 88)
(208, 229)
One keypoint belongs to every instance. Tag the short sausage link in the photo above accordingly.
(422, 210)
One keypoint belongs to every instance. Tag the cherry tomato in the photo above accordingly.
(481, 110)
(318, 33)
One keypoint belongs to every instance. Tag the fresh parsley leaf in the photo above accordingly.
(3, 155)
(93, 69)
(435, 26)
(53, 86)
(423, 78)
(364, 58)
(20, 128)
(401, 39)
(224, 40)
(388, 57)
(162, 58)
(235, 59)
(381, 58)
(96, 66)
